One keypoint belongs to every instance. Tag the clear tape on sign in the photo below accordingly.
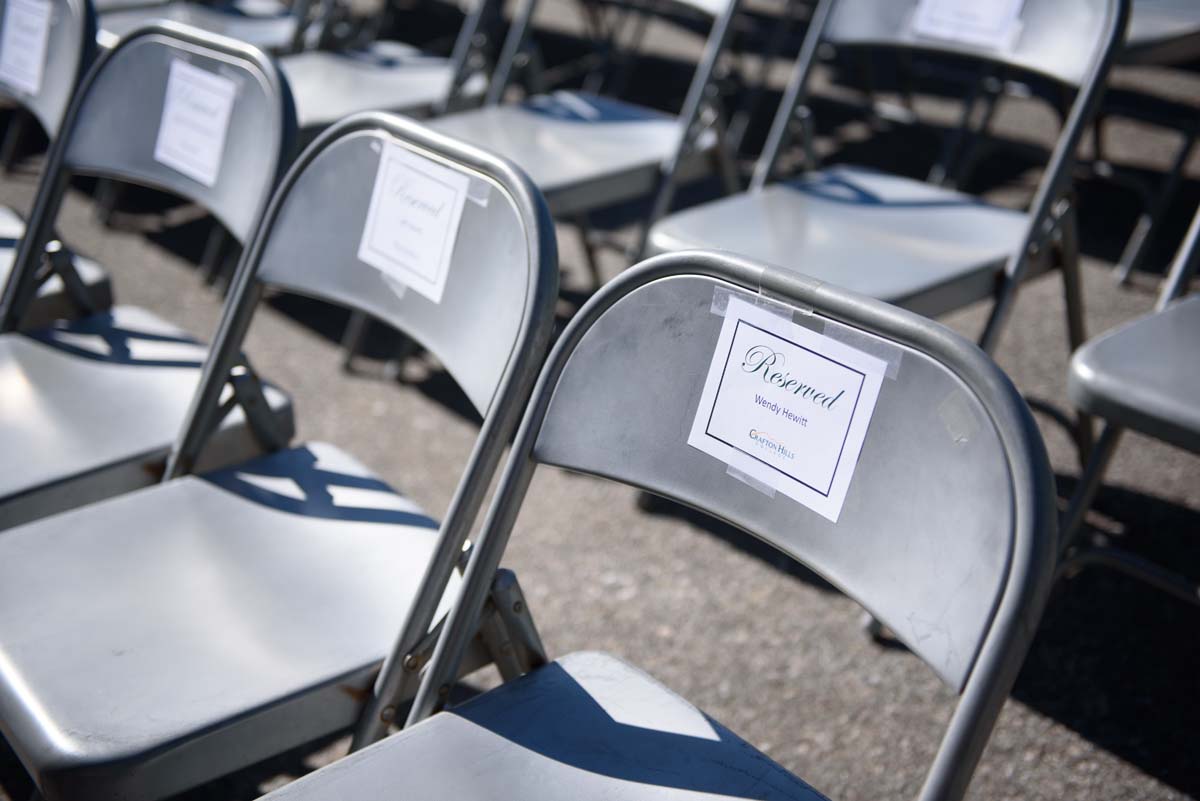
(881, 349)
(721, 296)
(750, 481)
(479, 191)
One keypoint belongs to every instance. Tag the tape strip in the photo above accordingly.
(958, 417)
(721, 295)
(750, 481)
(479, 191)
(873, 346)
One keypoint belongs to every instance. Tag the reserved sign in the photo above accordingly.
(787, 406)
(195, 120)
(994, 24)
(412, 222)
(23, 43)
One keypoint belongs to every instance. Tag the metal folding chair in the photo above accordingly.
(389, 76)
(227, 617)
(946, 532)
(922, 246)
(93, 404)
(42, 86)
(1140, 377)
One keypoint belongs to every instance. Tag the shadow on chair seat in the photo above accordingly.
(906, 242)
(587, 726)
(95, 404)
(213, 615)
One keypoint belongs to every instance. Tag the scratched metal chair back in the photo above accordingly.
(58, 44)
(947, 529)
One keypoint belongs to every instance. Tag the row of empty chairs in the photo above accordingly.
(234, 595)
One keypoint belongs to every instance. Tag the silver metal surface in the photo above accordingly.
(1162, 32)
(584, 151)
(384, 76)
(93, 405)
(587, 727)
(273, 32)
(948, 530)
(1058, 38)
(903, 241)
(70, 48)
(1072, 41)
(201, 625)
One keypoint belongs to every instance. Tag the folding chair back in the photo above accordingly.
(947, 530)
(35, 30)
(174, 108)
(1061, 39)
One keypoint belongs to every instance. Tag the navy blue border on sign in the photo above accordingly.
(861, 381)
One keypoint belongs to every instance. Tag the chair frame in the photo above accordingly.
(1076, 553)
(1052, 213)
(1030, 567)
(400, 672)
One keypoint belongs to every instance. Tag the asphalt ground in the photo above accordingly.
(1105, 706)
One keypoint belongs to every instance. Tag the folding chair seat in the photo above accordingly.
(942, 249)
(587, 725)
(267, 26)
(935, 510)
(271, 589)
(229, 616)
(587, 151)
(386, 76)
(923, 247)
(98, 401)
(70, 31)
(583, 151)
(93, 405)
(1126, 377)
(1140, 377)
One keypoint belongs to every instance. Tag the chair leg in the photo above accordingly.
(1076, 322)
(12, 139)
(1131, 564)
(214, 254)
(1135, 248)
(583, 225)
(352, 339)
(1090, 481)
(108, 195)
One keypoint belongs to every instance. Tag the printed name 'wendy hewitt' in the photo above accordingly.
(769, 363)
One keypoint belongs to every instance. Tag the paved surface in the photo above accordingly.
(1105, 707)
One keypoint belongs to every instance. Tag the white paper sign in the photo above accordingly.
(23, 43)
(994, 24)
(412, 222)
(195, 119)
(787, 406)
